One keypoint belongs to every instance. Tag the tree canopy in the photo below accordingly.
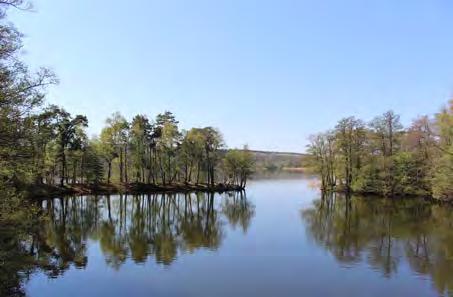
(383, 157)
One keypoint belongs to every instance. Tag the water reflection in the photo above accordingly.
(147, 227)
(386, 234)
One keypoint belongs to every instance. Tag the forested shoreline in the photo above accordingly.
(126, 157)
(44, 146)
(382, 157)
(45, 151)
(47, 146)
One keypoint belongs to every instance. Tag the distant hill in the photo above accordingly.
(279, 161)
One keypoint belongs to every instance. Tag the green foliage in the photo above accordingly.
(383, 158)
(239, 165)
(405, 174)
(323, 159)
(443, 166)
(368, 179)
(93, 169)
(443, 176)
(18, 218)
(44, 145)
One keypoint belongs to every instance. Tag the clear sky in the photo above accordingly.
(266, 73)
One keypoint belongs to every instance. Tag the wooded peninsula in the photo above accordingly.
(381, 157)
(48, 146)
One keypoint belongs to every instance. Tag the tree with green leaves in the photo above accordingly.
(140, 134)
(239, 165)
(107, 150)
(350, 138)
(384, 158)
(69, 137)
(443, 166)
(213, 143)
(192, 152)
(323, 161)
(119, 128)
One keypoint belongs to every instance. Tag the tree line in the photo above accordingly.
(382, 157)
(54, 149)
(45, 144)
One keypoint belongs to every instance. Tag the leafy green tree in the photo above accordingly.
(323, 161)
(213, 142)
(443, 166)
(67, 137)
(443, 176)
(384, 158)
(387, 131)
(21, 97)
(107, 150)
(140, 134)
(350, 139)
(239, 165)
(119, 129)
(167, 145)
(93, 168)
(192, 152)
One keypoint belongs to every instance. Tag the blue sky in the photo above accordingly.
(266, 73)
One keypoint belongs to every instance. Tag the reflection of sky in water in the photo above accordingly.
(275, 256)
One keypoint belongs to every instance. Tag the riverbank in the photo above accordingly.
(48, 191)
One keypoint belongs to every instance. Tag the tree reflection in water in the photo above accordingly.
(143, 227)
(384, 233)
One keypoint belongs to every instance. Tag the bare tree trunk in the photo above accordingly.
(109, 172)
(190, 171)
(82, 169)
(125, 164)
(63, 168)
(121, 165)
(162, 171)
(198, 172)
(186, 173)
(74, 171)
(150, 164)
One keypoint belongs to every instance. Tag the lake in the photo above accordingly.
(280, 238)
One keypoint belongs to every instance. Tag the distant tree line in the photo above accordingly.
(383, 157)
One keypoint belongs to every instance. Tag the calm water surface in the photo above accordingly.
(281, 238)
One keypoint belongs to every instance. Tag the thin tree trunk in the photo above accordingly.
(125, 164)
(63, 168)
(74, 171)
(198, 172)
(109, 172)
(121, 165)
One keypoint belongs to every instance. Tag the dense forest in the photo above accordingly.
(382, 157)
